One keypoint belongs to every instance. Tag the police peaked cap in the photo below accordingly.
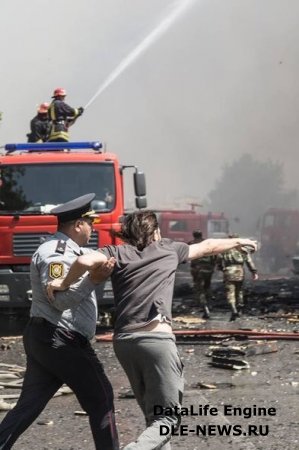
(75, 209)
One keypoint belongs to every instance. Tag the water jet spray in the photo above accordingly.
(163, 26)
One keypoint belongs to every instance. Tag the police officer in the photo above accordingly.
(232, 264)
(57, 337)
(202, 270)
(62, 116)
(40, 125)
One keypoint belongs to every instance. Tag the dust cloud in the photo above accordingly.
(222, 82)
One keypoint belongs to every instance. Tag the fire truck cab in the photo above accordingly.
(34, 178)
(179, 224)
(279, 236)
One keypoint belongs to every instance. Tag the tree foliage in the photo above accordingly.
(247, 188)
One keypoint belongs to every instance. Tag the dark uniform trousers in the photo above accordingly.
(56, 356)
(202, 285)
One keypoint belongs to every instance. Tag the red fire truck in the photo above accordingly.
(179, 224)
(34, 178)
(279, 236)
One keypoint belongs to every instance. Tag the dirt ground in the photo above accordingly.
(271, 384)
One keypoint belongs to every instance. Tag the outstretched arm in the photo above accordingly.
(216, 246)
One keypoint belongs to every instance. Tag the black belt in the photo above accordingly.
(72, 334)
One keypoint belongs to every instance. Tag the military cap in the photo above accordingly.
(197, 234)
(77, 208)
(233, 235)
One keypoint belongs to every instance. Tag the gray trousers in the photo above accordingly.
(155, 371)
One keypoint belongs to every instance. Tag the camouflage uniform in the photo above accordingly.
(202, 270)
(232, 264)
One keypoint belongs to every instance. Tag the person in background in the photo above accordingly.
(57, 337)
(62, 116)
(40, 125)
(143, 282)
(231, 263)
(202, 270)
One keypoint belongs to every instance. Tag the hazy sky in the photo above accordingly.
(221, 82)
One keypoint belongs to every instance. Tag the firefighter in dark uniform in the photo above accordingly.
(57, 337)
(62, 116)
(40, 125)
(232, 265)
(202, 270)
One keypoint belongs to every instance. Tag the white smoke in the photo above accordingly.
(220, 82)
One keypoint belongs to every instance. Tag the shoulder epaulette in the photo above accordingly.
(61, 246)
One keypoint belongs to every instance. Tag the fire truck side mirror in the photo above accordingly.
(141, 202)
(140, 189)
(139, 184)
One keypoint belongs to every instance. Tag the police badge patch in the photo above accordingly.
(56, 270)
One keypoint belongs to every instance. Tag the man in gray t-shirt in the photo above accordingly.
(143, 282)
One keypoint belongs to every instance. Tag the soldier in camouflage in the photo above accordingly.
(202, 270)
(232, 264)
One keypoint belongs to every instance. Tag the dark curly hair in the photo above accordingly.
(138, 228)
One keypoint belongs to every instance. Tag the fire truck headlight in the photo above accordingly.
(4, 289)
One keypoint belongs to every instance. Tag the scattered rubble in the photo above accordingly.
(126, 393)
(250, 349)
(4, 406)
(205, 386)
(45, 422)
(229, 363)
(188, 320)
(11, 378)
(272, 381)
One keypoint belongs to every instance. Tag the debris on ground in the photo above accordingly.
(217, 385)
(205, 386)
(11, 378)
(126, 393)
(189, 320)
(250, 349)
(45, 422)
(4, 406)
(229, 363)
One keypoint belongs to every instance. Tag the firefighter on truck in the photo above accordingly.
(62, 116)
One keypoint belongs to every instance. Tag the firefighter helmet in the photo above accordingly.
(59, 92)
(43, 108)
